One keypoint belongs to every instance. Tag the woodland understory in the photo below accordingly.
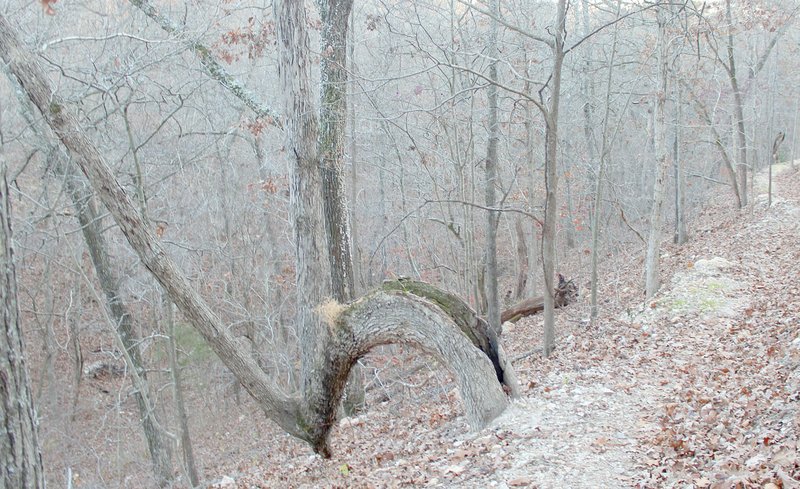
(400, 243)
(656, 395)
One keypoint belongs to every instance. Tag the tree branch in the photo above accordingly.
(211, 65)
(505, 23)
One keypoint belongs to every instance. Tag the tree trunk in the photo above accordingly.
(356, 251)
(680, 172)
(522, 260)
(492, 216)
(587, 87)
(605, 150)
(659, 187)
(332, 128)
(91, 229)
(185, 442)
(332, 125)
(776, 144)
(700, 109)
(738, 111)
(64, 123)
(551, 182)
(386, 317)
(19, 447)
(212, 67)
(534, 250)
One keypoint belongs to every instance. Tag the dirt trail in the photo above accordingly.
(628, 420)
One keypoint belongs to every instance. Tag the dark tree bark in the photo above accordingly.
(20, 458)
(333, 118)
(332, 124)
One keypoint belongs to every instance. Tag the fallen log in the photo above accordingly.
(565, 293)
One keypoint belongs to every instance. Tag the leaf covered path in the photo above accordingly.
(697, 388)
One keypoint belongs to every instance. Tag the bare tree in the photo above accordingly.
(334, 336)
(605, 150)
(661, 162)
(492, 216)
(551, 178)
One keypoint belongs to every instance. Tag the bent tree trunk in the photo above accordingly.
(378, 318)
(475, 328)
(19, 448)
(386, 317)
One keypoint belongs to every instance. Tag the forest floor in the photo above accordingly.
(699, 387)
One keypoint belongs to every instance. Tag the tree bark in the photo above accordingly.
(605, 150)
(332, 128)
(551, 182)
(64, 123)
(741, 137)
(652, 261)
(522, 260)
(121, 318)
(20, 458)
(332, 124)
(212, 67)
(92, 231)
(492, 216)
(701, 110)
(177, 391)
(680, 171)
(386, 317)
(776, 144)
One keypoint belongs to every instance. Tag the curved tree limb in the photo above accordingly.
(475, 328)
(391, 316)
